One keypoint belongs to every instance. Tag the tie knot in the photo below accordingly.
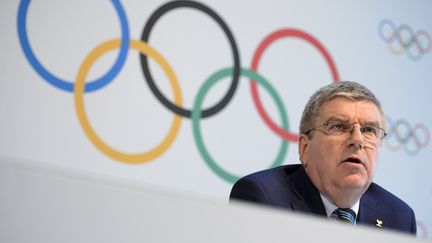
(344, 214)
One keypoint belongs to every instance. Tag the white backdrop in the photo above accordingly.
(384, 45)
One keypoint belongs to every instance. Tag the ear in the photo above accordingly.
(303, 149)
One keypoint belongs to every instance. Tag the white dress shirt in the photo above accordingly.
(330, 207)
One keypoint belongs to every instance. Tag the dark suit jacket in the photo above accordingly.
(289, 187)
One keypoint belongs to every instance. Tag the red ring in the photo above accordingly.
(416, 141)
(426, 34)
(258, 53)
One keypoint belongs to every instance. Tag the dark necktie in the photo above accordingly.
(344, 214)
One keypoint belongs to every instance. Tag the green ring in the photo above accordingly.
(413, 56)
(196, 115)
(409, 151)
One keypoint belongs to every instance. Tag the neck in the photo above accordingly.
(343, 199)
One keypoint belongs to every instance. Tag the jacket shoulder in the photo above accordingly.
(263, 186)
(377, 195)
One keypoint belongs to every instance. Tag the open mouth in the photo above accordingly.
(352, 160)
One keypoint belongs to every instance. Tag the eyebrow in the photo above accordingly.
(337, 119)
(340, 119)
(372, 124)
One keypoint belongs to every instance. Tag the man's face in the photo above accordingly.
(342, 163)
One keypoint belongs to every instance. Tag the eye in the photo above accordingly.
(369, 130)
(337, 127)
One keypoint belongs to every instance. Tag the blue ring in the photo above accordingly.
(381, 33)
(64, 84)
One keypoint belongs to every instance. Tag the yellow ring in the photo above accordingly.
(82, 117)
(392, 49)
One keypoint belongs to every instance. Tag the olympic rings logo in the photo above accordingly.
(81, 85)
(404, 136)
(403, 39)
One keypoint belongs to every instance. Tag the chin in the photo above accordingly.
(355, 182)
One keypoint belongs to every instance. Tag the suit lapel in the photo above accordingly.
(370, 212)
(306, 197)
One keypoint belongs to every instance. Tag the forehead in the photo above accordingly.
(350, 110)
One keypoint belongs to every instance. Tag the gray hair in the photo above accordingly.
(345, 89)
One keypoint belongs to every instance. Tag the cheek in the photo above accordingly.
(321, 159)
(329, 153)
(373, 157)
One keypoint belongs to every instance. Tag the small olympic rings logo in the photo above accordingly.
(81, 85)
(404, 136)
(403, 39)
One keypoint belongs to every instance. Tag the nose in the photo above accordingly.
(356, 138)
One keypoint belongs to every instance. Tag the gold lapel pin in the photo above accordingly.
(379, 223)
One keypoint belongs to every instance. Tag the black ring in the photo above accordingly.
(403, 140)
(144, 64)
(412, 40)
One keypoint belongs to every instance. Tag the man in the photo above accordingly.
(341, 130)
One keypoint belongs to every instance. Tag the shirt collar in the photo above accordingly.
(330, 207)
